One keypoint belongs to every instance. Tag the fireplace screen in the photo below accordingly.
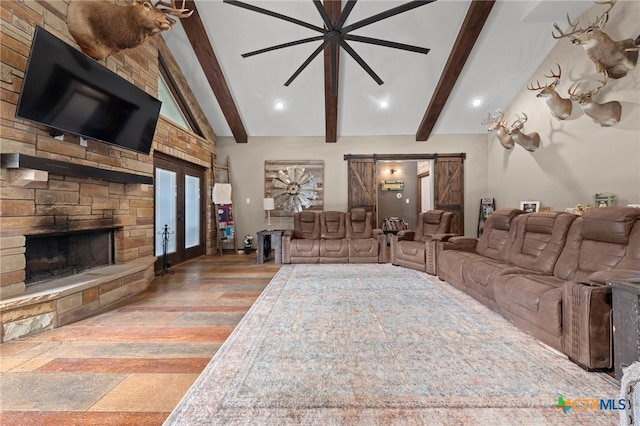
(53, 256)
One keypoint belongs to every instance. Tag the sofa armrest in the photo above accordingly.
(460, 243)
(377, 232)
(586, 324)
(602, 277)
(405, 235)
(286, 245)
(443, 237)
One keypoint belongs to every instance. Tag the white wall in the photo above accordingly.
(577, 158)
(247, 163)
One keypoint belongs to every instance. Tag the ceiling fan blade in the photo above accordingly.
(307, 62)
(323, 12)
(273, 14)
(361, 62)
(334, 69)
(386, 14)
(344, 15)
(281, 46)
(386, 43)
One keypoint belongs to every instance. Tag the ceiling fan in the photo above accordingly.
(337, 34)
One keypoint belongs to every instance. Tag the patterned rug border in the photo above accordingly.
(239, 346)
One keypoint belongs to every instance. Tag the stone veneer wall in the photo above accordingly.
(33, 202)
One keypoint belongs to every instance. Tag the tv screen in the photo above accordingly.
(70, 92)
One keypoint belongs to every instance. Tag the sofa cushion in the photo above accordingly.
(359, 224)
(496, 238)
(304, 250)
(588, 249)
(534, 303)
(306, 225)
(539, 240)
(334, 251)
(332, 225)
(612, 225)
(479, 275)
(363, 250)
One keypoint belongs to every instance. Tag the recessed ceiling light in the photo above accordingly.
(279, 105)
(384, 104)
(476, 102)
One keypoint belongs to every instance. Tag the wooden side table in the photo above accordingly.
(268, 240)
(626, 323)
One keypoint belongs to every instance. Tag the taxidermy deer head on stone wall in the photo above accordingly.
(606, 114)
(499, 125)
(530, 141)
(102, 28)
(560, 107)
(617, 58)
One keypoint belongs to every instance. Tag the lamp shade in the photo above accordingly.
(268, 204)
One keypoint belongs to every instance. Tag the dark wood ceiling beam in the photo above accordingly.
(209, 62)
(474, 21)
(333, 8)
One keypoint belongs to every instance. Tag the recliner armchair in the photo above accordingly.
(366, 245)
(302, 244)
(417, 249)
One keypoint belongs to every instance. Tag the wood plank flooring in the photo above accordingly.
(131, 365)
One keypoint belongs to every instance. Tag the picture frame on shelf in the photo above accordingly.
(530, 206)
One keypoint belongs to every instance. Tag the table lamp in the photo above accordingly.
(269, 205)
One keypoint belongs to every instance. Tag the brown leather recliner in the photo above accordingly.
(417, 249)
(366, 245)
(492, 247)
(602, 245)
(302, 244)
(334, 247)
(526, 292)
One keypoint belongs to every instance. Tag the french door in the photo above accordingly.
(179, 210)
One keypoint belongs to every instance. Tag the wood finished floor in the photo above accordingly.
(131, 365)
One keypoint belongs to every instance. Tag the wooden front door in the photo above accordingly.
(449, 189)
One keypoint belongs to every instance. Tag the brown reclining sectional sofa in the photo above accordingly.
(547, 272)
(334, 237)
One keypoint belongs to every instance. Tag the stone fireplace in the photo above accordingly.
(56, 192)
(52, 256)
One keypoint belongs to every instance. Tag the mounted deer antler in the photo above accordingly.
(530, 141)
(559, 106)
(102, 28)
(617, 58)
(498, 124)
(606, 114)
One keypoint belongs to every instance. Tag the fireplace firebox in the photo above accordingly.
(57, 255)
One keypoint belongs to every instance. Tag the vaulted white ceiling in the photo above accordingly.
(515, 39)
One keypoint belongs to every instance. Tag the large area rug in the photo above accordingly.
(379, 344)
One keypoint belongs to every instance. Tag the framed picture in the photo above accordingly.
(530, 206)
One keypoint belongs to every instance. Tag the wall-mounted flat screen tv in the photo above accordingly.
(69, 92)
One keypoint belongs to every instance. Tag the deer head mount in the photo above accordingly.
(499, 125)
(530, 141)
(102, 28)
(560, 107)
(606, 114)
(617, 58)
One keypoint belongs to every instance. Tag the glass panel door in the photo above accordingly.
(192, 211)
(166, 209)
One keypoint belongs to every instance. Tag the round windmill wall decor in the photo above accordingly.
(293, 189)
